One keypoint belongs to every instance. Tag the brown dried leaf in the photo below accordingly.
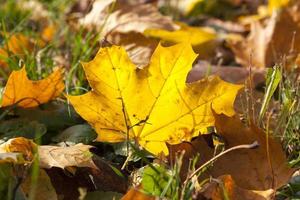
(37, 10)
(268, 43)
(225, 185)
(250, 168)
(104, 178)
(43, 187)
(124, 19)
(62, 157)
(138, 47)
(19, 145)
(236, 75)
(51, 156)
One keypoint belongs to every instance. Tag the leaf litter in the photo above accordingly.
(146, 112)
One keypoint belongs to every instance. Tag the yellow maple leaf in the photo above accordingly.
(152, 105)
(203, 39)
(27, 93)
(193, 35)
(264, 11)
(276, 4)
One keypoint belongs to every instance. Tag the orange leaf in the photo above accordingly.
(17, 44)
(3, 57)
(27, 93)
(226, 186)
(48, 33)
(137, 195)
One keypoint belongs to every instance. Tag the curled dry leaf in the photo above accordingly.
(256, 169)
(124, 26)
(27, 93)
(20, 145)
(139, 47)
(225, 186)
(152, 105)
(51, 156)
(10, 157)
(268, 44)
(62, 157)
(125, 19)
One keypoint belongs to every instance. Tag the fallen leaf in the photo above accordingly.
(37, 10)
(268, 44)
(51, 156)
(264, 11)
(104, 178)
(225, 9)
(80, 133)
(225, 188)
(203, 39)
(104, 195)
(81, 8)
(259, 173)
(62, 157)
(48, 33)
(17, 44)
(138, 47)
(27, 93)
(135, 194)
(60, 113)
(250, 168)
(11, 158)
(237, 75)
(277, 4)
(226, 26)
(3, 58)
(185, 7)
(152, 105)
(21, 128)
(125, 19)
(42, 187)
(20, 145)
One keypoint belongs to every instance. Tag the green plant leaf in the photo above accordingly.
(157, 180)
(22, 128)
(81, 133)
(273, 79)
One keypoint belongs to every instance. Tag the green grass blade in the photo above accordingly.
(273, 79)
